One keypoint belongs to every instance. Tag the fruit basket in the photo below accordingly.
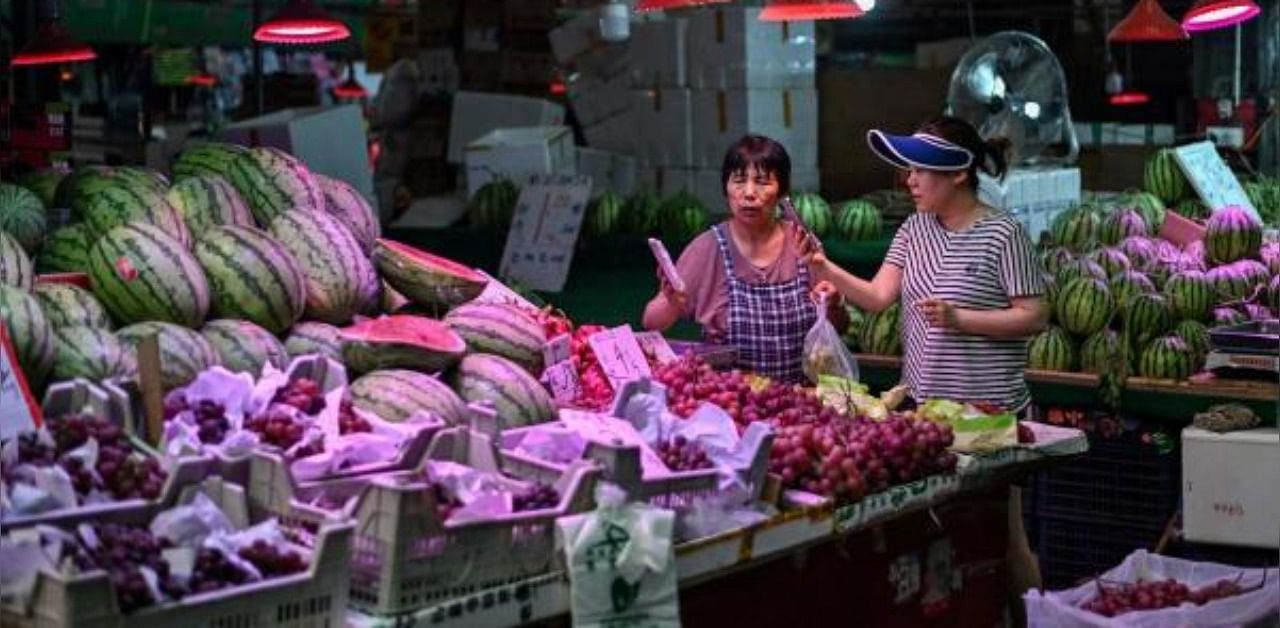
(107, 401)
(313, 598)
(407, 555)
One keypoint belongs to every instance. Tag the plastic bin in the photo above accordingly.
(1071, 550)
(1115, 482)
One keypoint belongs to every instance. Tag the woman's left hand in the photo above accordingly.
(823, 292)
(939, 313)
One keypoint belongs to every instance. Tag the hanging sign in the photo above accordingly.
(544, 231)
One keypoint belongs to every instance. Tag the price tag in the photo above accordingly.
(620, 355)
(613, 431)
(1211, 178)
(544, 231)
(496, 292)
(558, 349)
(562, 379)
(656, 347)
(19, 411)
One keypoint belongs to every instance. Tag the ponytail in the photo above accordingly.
(989, 156)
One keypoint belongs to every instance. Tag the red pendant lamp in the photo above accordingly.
(51, 43)
(350, 88)
(1130, 98)
(663, 5)
(1147, 22)
(1207, 15)
(796, 10)
(301, 22)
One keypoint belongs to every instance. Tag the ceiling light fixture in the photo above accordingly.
(1147, 22)
(51, 43)
(797, 10)
(1130, 98)
(1206, 15)
(663, 5)
(301, 22)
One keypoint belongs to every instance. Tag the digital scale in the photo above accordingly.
(1252, 346)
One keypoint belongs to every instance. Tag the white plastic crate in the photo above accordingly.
(1228, 487)
(315, 598)
(404, 556)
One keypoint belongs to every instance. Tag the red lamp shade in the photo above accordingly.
(350, 88)
(301, 22)
(662, 5)
(202, 80)
(1207, 15)
(1147, 22)
(795, 10)
(1130, 98)
(52, 44)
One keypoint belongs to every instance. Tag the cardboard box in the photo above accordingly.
(616, 134)
(1228, 487)
(659, 53)
(594, 100)
(730, 48)
(527, 68)
(476, 113)
(518, 153)
(322, 137)
(721, 117)
(662, 122)
(608, 171)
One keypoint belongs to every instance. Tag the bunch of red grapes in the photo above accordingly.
(302, 393)
(597, 392)
(681, 454)
(1144, 595)
(446, 504)
(120, 471)
(210, 416)
(271, 561)
(278, 426)
(348, 421)
(690, 381)
(537, 497)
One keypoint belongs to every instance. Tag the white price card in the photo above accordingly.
(496, 292)
(19, 411)
(544, 231)
(1217, 186)
(620, 355)
(656, 347)
(558, 349)
(562, 379)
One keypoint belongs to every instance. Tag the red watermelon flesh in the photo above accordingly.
(401, 341)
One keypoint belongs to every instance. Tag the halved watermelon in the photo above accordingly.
(427, 279)
(401, 341)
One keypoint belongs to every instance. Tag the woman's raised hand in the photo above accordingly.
(676, 298)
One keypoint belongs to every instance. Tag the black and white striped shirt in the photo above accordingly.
(980, 268)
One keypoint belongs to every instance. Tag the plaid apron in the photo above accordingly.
(768, 322)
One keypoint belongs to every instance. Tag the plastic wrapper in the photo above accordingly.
(24, 553)
(553, 443)
(1061, 609)
(235, 393)
(190, 523)
(716, 514)
(825, 352)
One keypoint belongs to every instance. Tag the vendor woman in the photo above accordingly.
(746, 280)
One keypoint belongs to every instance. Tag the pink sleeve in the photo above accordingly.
(703, 273)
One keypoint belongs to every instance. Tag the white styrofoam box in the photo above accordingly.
(730, 48)
(666, 181)
(608, 171)
(721, 117)
(518, 153)
(477, 113)
(1115, 133)
(322, 137)
(593, 99)
(663, 125)
(616, 134)
(1033, 196)
(659, 53)
(1229, 491)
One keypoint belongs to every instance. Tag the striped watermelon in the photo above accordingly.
(43, 183)
(115, 205)
(15, 266)
(1148, 316)
(1128, 284)
(207, 201)
(1052, 350)
(882, 333)
(1121, 224)
(1097, 351)
(1111, 259)
(209, 159)
(392, 301)
(1055, 258)
(251, 277)
(1075, 229)
(852, 333)
(66, 305)
(1196, 335)
(243, 347)
(1166, 357)
(1227, 316)
(1192, 209)
(66, 250)
(184, 353)
(1151, 208)
(813, 210)
(682, 217)
(1273, 294)
(858, 220)
(351, 208)
(1191, 295)
(1233, 282)
(274, 182)
(425, 278)
(1051, 289)
(142, 177)
(640, 214)
(1141, 251)
(1081, 267)
(1232, 234)
(604, 214)
(29, 331)
(330, 260)
(517, 397)
(401, 341)
(1084, 306)
(498, 329)
(370, 291)
(396, 394)
(22, 216)
(92, 353)
(311, 337)
(142, 274)
(1163, 177)
(77, 190)
(493, 204)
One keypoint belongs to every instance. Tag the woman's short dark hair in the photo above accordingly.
(760, 152)
(988, 155)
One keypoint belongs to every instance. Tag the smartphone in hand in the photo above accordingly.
(790, 214)
(666, 265)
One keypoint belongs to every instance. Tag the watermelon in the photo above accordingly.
(208, 159)
(1055, 258)
(853, 329)
(66, 305)
(1084, 306)
(330, 260)
(1273, 294)
(1151, 208)
(66, 250)
(1097, 351)
(813, 211)
(1075, 229)
(115, 205)
(882, 333)
(499, 329)
(1141, 251)
(858, 220)
(1081, 267)
(427, 279)
(311, 337)
(1163, 177)
(493, 204)
(243, 347)
(1125, 285)
(251, 277)
(1052, 350)
(1191, 209)
(207, 201)
(1193, 256)
(640, 214)
(1227, 316)
(43, 183)
(682, 217)
(369, 290)
(92, 353)
(517, 397)
(142, 177)
(604, 215)
(29, 331)
(1191, 295)
(1111, 259)
(274, 182)
(351, 209)
(142, 274)
(78, 190)
(22, 216)
(396, 394)
(1233, 282)
(184, 353)
(1196, 335)
(1232, 234)
(1148, 316)
(401, 341)
(1166, 357)
(1051, 289)
(1256, 311)
(1125, 223)
(392, 301)
(15, 266)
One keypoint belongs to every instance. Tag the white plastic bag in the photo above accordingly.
(824, 350)
(1061, 609)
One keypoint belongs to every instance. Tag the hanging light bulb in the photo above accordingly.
(1130, 98)
(1147, 22)
(301, 22)
(351, 88)
(51, 43)
(1207, 15)
(796, 10)
(663, 5)
(202, 79)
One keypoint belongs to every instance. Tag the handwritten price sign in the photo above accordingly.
(18, 410)
(562, 379)
(620, 355)
(544, 231)
(656, 347)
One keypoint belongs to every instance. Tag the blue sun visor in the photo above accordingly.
(921, 150)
